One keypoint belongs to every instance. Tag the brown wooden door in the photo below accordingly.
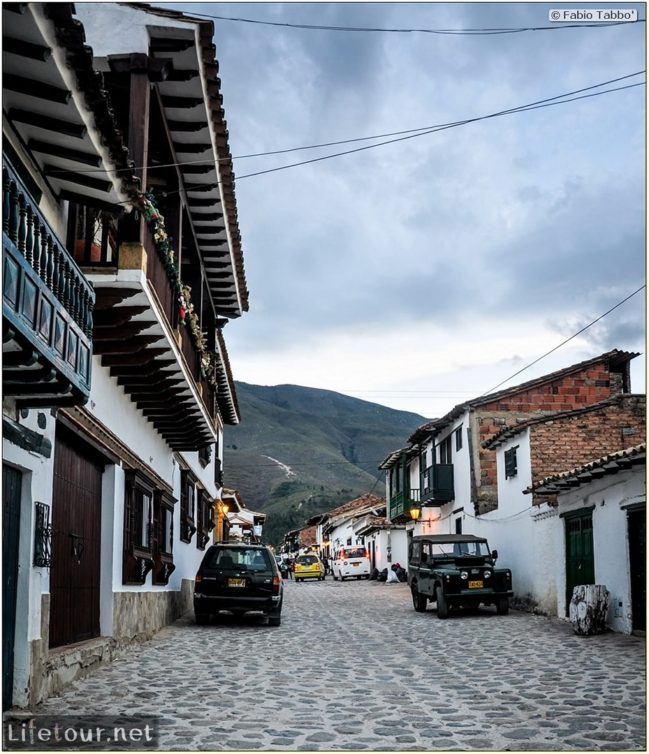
(76, 545)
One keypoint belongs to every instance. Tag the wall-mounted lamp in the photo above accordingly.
(415, 511)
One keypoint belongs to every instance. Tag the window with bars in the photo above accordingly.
(163, 533)
(138, 525)
(511, 463)
(187, 506)
(204, 523)
(458, 438)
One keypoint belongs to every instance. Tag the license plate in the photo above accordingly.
(355, 565)
(236, 582)
(476, 584)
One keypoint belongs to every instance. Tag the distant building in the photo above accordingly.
(466, 472)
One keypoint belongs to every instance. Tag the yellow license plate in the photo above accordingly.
(236, 582)
(476, 584)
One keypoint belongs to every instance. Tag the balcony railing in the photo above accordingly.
(124, 335)
(401, 502)
(47, 306)
(437, 484)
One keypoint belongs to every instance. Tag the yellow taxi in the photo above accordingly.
(308, 566)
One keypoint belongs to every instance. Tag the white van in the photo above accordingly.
(351, 562)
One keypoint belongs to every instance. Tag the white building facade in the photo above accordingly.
(116, 395)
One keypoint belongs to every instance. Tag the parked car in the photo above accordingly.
(238, 578)
(308, 566)
(456, 570)
(351, 562)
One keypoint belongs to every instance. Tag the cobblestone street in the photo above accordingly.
(353, 666)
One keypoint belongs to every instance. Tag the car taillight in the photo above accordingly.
(276, 582)
(199, 578)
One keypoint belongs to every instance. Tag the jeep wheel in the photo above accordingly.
(442, 606)
(502, 606)
(418, 600)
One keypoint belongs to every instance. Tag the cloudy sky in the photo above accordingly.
(425, 272)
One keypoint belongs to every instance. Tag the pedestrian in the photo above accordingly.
(325, 563)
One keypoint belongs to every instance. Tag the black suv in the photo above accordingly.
(238, 578)
(456, 570)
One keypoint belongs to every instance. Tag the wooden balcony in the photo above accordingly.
(437, 485)
(139, 339)
(401, 502)
(47, 307)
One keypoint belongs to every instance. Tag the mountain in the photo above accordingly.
(300, 451)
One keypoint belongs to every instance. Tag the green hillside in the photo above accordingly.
(300, 451)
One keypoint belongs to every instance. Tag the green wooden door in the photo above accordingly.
(11, 483)
(580, 561)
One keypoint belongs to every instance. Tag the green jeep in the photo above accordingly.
(456, 570)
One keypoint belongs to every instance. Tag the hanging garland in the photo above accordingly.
(187, 317)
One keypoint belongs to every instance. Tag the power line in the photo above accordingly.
(439, 125)
(413, 132)
(552, 350)
(522, 108)
(455, 32)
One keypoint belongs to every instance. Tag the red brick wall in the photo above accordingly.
(566, 443)
(591, 385)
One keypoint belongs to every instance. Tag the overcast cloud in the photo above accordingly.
(424, 272)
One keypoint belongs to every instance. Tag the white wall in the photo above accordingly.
(110, 404)
(113, 30)
(524, 535)
(33, 582)
(610, 538)
(461, 460)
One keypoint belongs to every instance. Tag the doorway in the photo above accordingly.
(11, 486)
(580, 560)
(76, 546)
(637, 528)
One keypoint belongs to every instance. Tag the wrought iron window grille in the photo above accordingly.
(43, 533)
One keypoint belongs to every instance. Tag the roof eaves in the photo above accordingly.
(70, 33)
(612, 356)
(224, 162)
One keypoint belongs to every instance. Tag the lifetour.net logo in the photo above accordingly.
(43, 732)
(593, 15)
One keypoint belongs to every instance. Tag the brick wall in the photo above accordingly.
(592, 384)
(562, 444)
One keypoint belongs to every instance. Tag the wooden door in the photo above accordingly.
(637, 567)
(580, 561)
(11, 484)
(76, 545)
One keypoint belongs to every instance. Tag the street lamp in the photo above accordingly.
(415, 511)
